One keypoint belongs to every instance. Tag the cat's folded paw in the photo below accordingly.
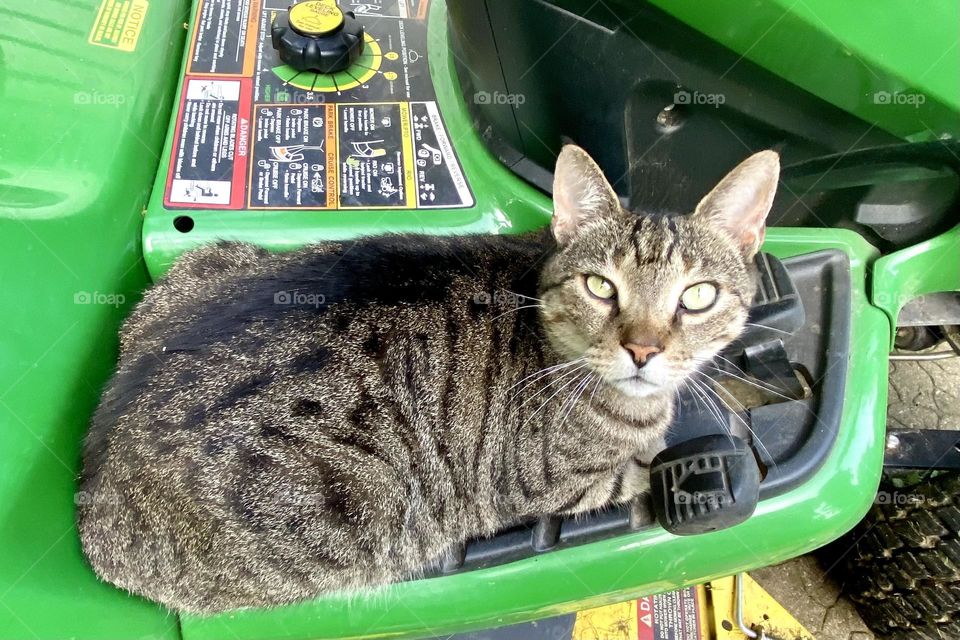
(641, 511)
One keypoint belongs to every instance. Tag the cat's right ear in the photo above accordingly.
(580, 194)
(740, 203)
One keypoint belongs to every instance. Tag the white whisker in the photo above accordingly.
(736, 414)
(757, 384)
(710, 407)
(565, 374)
(595, 387)
(577, 392)
(515, 309)
(519, 295)
(545, 402)
(763, 326)
(547, 371)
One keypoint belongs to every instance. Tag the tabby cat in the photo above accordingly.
(335, 418)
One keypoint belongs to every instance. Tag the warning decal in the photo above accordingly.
(118, 24)
(210, 145)
(254, 133)
(670, 616)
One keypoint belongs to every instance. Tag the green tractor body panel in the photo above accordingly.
(894, 65)
(928, 267)
(82, 127)
(84, 116)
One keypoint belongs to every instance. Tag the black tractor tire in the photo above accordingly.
(901, 564)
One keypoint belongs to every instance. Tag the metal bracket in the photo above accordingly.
(928, 449)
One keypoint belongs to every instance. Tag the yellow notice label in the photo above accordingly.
(118, 24)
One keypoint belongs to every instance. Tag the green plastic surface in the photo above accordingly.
(928, 267)
(849, 52)
(80, 129)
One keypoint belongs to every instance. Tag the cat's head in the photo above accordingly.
(646, 299)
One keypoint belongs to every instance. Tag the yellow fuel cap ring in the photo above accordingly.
(316, 35)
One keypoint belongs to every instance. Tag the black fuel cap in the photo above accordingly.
(316, 35)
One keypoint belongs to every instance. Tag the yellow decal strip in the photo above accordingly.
(409, 162)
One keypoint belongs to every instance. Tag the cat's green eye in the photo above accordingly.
(699, 297)
(601, 287)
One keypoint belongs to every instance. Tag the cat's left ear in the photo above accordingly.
(580, 194)
(739, 204)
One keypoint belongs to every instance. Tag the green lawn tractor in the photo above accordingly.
(134, 130)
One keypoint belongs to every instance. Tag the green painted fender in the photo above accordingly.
(928, 267)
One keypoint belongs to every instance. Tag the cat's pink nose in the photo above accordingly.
(641, 353)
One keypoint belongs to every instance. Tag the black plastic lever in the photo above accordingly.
(776, 310)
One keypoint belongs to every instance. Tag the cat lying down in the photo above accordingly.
(335, 418)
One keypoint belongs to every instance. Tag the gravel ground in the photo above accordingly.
(921, 395)
(813, 598)
(925, 395)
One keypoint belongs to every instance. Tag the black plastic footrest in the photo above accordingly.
(777, 309)
(704, 484)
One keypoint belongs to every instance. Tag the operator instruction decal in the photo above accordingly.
(253, 133)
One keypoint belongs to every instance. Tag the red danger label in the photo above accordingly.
(211, 144)
(670, 616)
